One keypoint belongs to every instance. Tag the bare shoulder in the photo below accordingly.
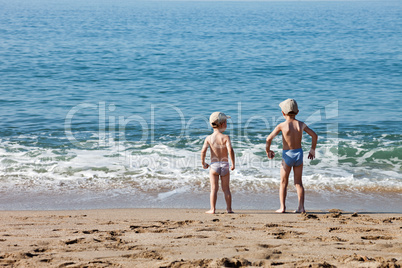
(280, 126)
(307, 129)
(275, 132)
(226, 137)
(302, 124)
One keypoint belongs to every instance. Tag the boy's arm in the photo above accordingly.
(204, 153)
(231, 153)
(271, 136)
(314, 138)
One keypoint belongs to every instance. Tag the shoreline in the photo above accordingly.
(88, 200)
(157, 237)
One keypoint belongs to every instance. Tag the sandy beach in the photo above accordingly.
(190, 238)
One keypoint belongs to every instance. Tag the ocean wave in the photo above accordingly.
(341, 165)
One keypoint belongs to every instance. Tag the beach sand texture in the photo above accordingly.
(190, 238)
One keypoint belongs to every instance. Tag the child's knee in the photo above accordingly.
(225, 188)
(298, 181)
(299, 184)
(226, 191)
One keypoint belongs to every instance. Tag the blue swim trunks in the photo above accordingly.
(293, 158)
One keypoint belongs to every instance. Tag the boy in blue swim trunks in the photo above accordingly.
(292, 154)
(220, 148)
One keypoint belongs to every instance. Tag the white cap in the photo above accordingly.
(288, 106)
(217, 118)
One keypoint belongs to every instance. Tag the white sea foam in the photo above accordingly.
(166, 170)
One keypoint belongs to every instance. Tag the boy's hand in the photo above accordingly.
(232, 167)
(205, 165)
(270, 154)
(311, 154)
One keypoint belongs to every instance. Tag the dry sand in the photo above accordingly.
(190, 238)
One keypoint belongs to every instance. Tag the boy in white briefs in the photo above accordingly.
(292, 154)
(220, 148)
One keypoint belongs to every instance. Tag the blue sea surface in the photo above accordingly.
(108, 101)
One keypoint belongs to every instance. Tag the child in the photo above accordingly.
(220, 147)
(292, 155)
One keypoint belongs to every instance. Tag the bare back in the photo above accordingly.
(218, 143)
(292, 133)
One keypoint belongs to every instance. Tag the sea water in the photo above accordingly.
(105, 104)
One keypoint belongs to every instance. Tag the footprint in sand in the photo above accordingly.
(188, 263)
(90, 231)
(40, 250)
(378, 237)
(191, 236)
(186, 222)
(286, 234)
(332, 238)
(271, 225)
(226, 262)
(267, 246)
(149, 229)
(66, 264)
(73, 241)
(148, 254)
(241, 249)
(309, 216)
(206, 230)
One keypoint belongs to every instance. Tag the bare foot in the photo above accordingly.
(281, 210)
(300, 211)
(230, 211)
(211, 211)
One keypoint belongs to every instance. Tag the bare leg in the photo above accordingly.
(285, 171)
(299, 187)
(214, 178)
(226, 191)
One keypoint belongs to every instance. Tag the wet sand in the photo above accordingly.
(191, 238)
